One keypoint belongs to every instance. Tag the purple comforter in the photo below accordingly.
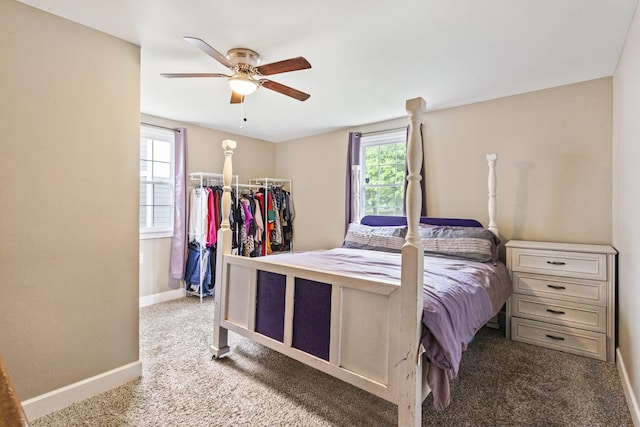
(459, 297)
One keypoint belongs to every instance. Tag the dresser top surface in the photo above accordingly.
(556, 246)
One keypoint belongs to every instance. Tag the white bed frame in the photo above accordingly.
(375, 325)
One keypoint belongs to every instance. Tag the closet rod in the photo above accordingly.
(270, 180)
(250, 185)
(242, 186)
(198, 175)
(159, 127)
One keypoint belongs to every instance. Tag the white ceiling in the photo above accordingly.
(367, 57)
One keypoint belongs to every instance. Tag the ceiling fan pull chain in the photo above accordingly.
(242, 117)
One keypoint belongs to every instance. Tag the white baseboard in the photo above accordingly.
(56, 400)
(161, 297)
(632, 402)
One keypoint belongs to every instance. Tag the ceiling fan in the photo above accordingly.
(247, 74)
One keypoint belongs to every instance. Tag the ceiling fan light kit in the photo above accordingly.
(244, 64)
(243, 84)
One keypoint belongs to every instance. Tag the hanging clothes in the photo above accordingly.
(255, 229)
(198, 215)
(205, 218)
(245, 236)
(278, 215)
(212, 231)
(288, 214)
(277, 225)
(261, 223)
(198, 258)
(282, 233)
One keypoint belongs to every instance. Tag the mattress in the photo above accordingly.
(460, 296)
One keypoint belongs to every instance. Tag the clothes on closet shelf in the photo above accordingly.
(261, 223)
(204, 215)
(192, 269)
(205, 218)
(198, 215)
(284, 218)
(250, 226)
(270, 225)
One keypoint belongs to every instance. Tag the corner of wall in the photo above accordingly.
(629, 394)
(56, 400)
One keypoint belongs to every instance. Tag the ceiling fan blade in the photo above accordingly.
(285, 66)
(285, 90)
(203, 46)
(236, 98)
(174, 75)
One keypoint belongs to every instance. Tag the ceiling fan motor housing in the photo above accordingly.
(244, 56)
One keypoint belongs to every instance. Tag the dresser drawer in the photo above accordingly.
(558, 263)
(576, 290)
(571, 340)
(583, 316)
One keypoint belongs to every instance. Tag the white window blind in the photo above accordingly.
(156, 182)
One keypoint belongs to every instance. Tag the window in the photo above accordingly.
(383, 168)
(156, 182)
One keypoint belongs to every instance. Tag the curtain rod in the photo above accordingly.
(158, 126)
(383, 131)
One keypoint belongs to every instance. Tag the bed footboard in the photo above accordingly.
(344, 326)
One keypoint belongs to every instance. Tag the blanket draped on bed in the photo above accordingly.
(459, 297)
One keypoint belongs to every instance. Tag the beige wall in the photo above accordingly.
(626, 203)
(252, 158)
(69, 126)
(317, 166)
(554, 167)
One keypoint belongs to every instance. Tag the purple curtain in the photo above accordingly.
(423, 181)
(179, 239)
(353, 158)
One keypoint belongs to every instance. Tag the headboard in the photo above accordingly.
(381, 221)
(378, 221)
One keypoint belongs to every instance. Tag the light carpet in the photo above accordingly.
(501, 383)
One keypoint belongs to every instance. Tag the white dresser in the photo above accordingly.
(563, 297)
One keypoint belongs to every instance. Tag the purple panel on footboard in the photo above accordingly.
(312, 317)
(270, 302)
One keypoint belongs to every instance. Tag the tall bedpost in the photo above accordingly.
(493, 207)
(410, 370)
(219, 347)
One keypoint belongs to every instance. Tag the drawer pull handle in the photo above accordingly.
(556, 262)
(553, 337)
(561, 288)
(555, 311)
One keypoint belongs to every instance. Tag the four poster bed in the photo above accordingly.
(382, 312)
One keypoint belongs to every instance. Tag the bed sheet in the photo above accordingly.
(460, 296)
